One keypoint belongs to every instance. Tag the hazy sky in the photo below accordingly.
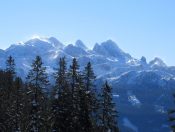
(140, 27)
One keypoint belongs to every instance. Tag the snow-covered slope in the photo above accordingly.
(110, 49)
(109, 61)
(139, 85)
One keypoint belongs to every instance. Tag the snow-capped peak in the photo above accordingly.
(143, 59)
(135, 75)
(157, 62)
(39, 43)
(110, 49)
(110, 43)
(37, 37)
(55, 42)
(80, 44)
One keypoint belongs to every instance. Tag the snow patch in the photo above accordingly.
(45, 39)
(160, 109)
(116, 95)
(133, 100)
(113, 60)
(127, 123)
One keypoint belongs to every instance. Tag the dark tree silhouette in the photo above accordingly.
(37, 83)
(108, 121)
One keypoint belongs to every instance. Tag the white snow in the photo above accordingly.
(133, 99)
(127, 123)
(112, 59)
(133, 62)
(160, 109)
(108, 60)
(116, 95)
(157, 62)
(45, 39)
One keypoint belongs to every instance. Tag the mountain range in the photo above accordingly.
(142, 90)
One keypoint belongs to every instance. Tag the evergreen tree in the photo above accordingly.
(73, 105)
(37, 83)
(60, 77)
(108, 114)
(10, 71)
(61, 100)
(17, 105)
(74, 75)
(84, 108)
(91, 103)
(3, 102)
(171, 114)
(8, 91)
(74, 81)
(10, 67)
(89, 77)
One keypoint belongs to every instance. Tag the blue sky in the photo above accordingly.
(140, 27)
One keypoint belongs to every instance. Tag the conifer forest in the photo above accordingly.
(73, 103)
